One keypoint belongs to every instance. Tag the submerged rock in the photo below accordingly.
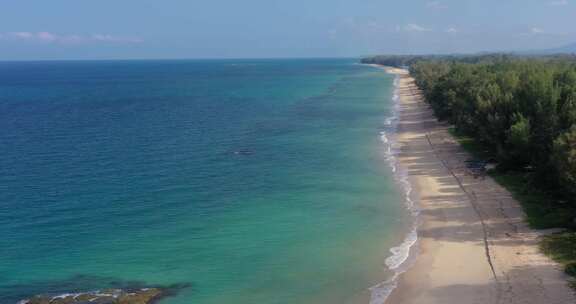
(109, 296)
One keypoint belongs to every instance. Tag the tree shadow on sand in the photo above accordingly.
(515, 286)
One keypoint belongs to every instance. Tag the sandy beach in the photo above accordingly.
(474, 245)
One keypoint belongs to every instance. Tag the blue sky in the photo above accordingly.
(117, 29)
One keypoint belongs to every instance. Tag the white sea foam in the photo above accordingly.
(114, 294)
(397, 262)
(65, 295)
(401, 253)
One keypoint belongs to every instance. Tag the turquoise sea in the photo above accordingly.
(245, 181)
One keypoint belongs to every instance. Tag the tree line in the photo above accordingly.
(520, 108)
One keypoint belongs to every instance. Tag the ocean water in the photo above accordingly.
(246, 181)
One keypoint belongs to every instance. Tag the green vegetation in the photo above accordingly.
(562, 248)
(472, 146)
(540, 207)
(520, 112)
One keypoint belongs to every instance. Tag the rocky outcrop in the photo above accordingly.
(109, 296)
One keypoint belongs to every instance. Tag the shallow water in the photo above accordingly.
(252, 181)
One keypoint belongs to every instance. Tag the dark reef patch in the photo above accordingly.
(88, 289)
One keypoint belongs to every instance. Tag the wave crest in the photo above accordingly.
(397, 261)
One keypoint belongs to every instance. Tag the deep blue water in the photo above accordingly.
(251, 181)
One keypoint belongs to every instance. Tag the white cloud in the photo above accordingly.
(452, 30)
(47, 37)
(110, 38)
(21, 35)
(412, 27)
(533, 32)
(558, 2)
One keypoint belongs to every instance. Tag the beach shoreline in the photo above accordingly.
(473, 243)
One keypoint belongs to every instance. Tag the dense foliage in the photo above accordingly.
(522, 109)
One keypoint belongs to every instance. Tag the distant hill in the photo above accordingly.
(570, 48)
(566, 49)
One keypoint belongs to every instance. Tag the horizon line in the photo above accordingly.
(182, 58)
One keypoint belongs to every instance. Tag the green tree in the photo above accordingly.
(564, 159)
